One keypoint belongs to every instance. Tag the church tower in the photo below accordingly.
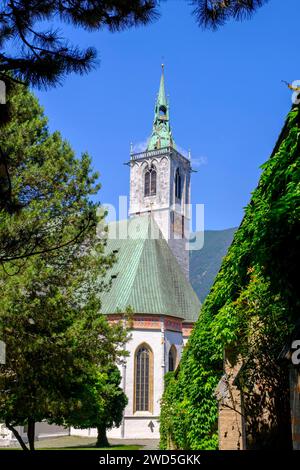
(160, 182)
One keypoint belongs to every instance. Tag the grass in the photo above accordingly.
(79, 448)
(93, 448)
(77, 443)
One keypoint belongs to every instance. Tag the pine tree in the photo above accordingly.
(215, 13)
(49, 307)
(46, 199)
(41, 55)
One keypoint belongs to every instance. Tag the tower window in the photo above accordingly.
(153, 182)
(150, 181)
(172, 358)
(143, 378)
(177, 184)
(147, 183)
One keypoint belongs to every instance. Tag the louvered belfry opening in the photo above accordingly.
(177, 184)
(150, 181)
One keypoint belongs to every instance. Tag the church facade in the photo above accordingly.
(151, 275)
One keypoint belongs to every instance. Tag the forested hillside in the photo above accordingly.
(205, 263)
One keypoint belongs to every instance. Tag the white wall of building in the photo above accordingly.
(136, 425)
(43, 430)
(139, 424)
(144, 425)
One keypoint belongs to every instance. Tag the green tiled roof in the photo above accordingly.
(147, 276)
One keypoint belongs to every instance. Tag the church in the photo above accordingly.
(151, 274)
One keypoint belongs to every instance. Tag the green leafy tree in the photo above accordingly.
(49, 308)
(102, 404)
(251, 310)
(56, 338)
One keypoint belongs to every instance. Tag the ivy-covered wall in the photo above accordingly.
(252, 306)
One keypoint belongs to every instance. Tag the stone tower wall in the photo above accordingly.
(171, 215)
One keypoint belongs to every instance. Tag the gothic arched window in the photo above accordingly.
(147, 183)
(143, 378)
(177, 184)
(150, 181)
(172, 358)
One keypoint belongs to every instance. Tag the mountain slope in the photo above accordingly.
(205, 263)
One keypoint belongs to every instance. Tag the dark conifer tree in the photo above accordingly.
(39, 54)
(215, 13)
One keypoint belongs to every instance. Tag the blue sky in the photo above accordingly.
(226, 97)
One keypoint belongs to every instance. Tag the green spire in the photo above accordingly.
(161, 133)
(161, 99)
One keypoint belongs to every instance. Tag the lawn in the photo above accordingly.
(93, 448)
(78, 443)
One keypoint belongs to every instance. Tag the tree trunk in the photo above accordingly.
(101, 438)
(17, 436)
(30, 433)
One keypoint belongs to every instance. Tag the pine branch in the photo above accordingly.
(43, 59)
(214, 13)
